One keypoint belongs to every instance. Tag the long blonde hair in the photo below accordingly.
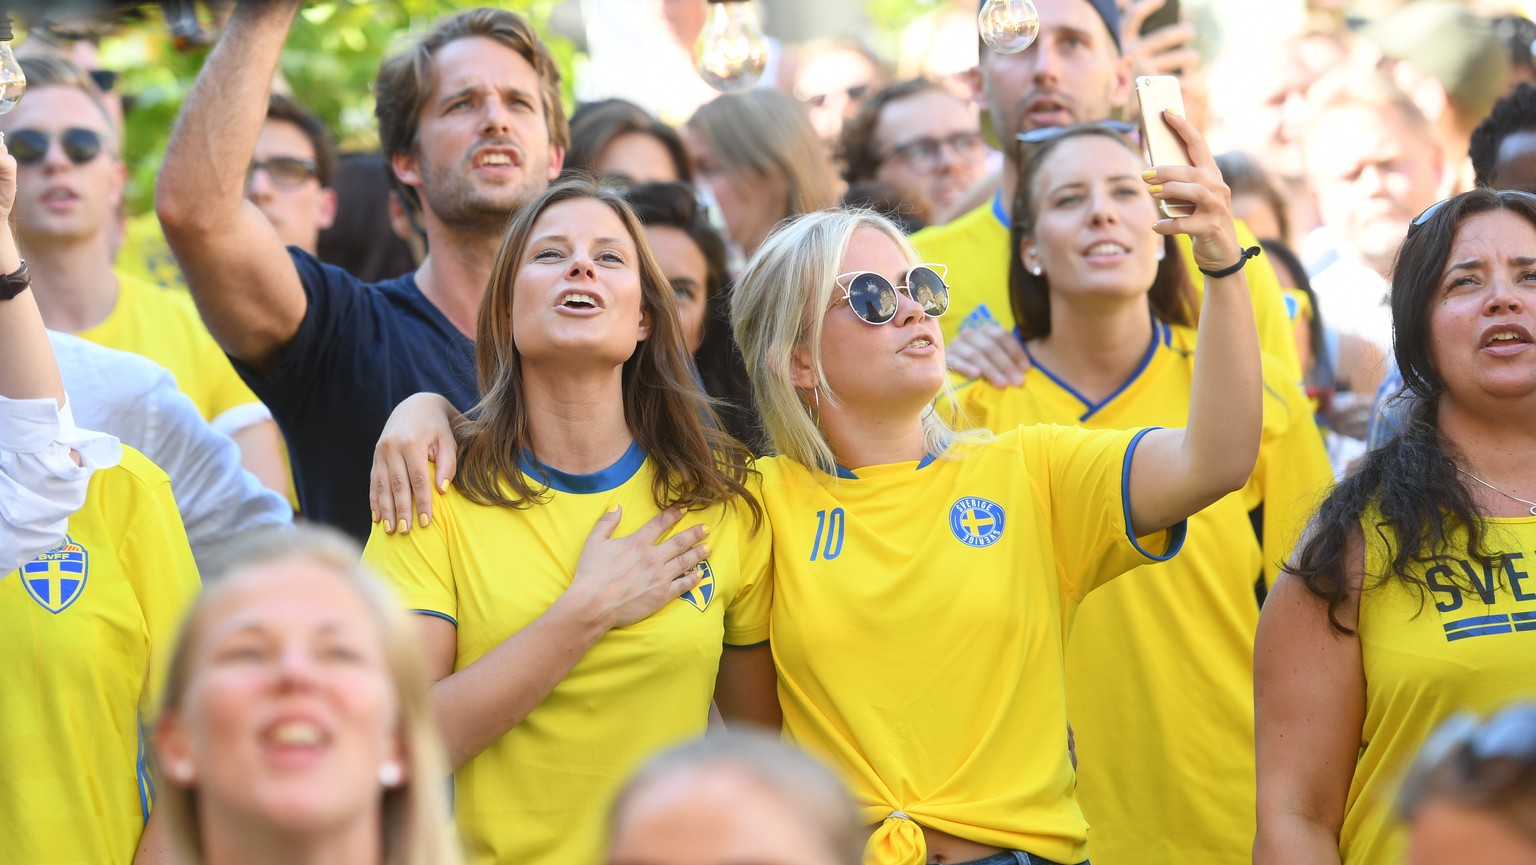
(766, 132)
(414, 815)
(779, 306)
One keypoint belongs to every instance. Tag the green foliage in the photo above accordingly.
(328, 64)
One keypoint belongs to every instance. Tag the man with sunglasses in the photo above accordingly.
(290, 174)
(1074, 72)
(67, 203)
(471, 123)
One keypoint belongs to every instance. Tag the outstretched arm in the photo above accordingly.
(27, 367)
(1175, 473)
(241, 277)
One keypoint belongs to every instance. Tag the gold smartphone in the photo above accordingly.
(1156, 94)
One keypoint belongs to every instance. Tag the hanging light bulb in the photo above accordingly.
(12, 82)
(1008, 26)
(731, 52)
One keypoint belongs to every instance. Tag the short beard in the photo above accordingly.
(465, 209)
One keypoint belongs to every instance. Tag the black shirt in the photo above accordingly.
(361, 349)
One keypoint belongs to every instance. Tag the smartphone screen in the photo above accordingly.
(1156, 94)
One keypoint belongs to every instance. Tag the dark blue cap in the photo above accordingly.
(1107, 10)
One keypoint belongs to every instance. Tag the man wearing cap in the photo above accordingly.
(1073, 73)
(1454, 67)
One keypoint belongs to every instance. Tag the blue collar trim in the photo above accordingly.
(998, 210)
(846, 474)
(600, 481)
(1161, 335)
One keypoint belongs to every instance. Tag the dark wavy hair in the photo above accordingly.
(1412, 481)
(1514, 113)
(1171, 295)
(669, 415)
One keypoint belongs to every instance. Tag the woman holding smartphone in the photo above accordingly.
(925, 582)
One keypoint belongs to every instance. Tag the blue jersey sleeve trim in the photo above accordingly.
(600, 481)
(444, 616)
(1176, 532)
(145, 782)
(998, 210)
(747, 646)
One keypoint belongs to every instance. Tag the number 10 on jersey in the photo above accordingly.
(829, 534)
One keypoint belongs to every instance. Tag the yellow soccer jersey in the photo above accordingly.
(920, 611)
(975, 249)
(1160, 664)
(164, 326)
(539, 794)
(86, 630)
(145, 255)
(1466, 644)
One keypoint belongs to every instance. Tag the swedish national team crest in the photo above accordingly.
(699, 596)
(56, 578)
(976, 522)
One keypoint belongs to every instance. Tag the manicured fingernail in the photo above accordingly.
(404, 524)
(374, 515)
(424, 520)
(1155, 188)
(442, 486)
(706, 529)
(613, 508)
(705, 549)
(1174, 112)
(1149, 174)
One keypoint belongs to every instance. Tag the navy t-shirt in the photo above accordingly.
(361, 349)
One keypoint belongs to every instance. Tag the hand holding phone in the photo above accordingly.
(1156, 94)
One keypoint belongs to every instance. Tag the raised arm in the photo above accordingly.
(1175, 473)
(1309, 706)
(27, 367)
(236, 266)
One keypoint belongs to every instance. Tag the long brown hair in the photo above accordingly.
(1171, 295)
(668, 413)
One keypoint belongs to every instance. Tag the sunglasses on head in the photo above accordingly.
(30, 146)
(1034, 138)
(873, 298)
(1487, 756)
(1430, 211)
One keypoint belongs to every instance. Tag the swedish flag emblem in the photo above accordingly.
(699, 596)
(56, 578)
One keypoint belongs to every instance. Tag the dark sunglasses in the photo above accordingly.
(1430, 211)
(105, 79)
(873, 298)
(286, 172)
(81, 145)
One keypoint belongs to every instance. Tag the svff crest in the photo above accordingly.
(56, 578)
(976, 522)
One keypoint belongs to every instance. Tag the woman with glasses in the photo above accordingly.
(1471, 796)
(925, 581)
(1158, 672)
(598, 547)
(1409, 597)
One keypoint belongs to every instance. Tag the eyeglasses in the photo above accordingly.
(922, 154)
(1485, 757)
(286, 172)
(873, 298)
(1430, 211)
(30, 146)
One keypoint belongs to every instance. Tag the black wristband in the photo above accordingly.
(1250, 252)
(12, 284)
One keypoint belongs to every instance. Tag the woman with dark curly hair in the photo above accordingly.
(1409, 597)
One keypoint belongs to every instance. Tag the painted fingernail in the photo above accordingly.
(374, 515)
(613, 508)
(403, 525)
(1174, 112)
(705, 549)
(706, 529)
(1149, 174)
(1155, 188)
(424, 520)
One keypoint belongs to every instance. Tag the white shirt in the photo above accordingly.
(1352, 298)
(40, 483)
(136, 400)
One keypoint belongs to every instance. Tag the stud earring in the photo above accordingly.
(1035, 270)
(181, 771)
(390, 774)
(1162, 252)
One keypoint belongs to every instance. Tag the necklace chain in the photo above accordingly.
(1499, 491)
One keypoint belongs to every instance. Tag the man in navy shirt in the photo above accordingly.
(471, 123)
